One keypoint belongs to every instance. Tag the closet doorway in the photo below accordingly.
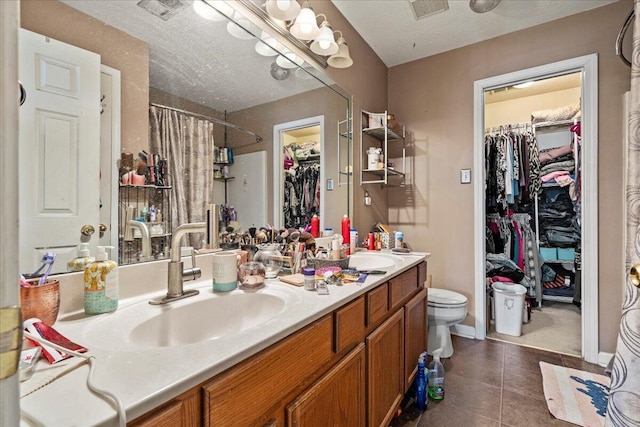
(536, 203)
(298, 164)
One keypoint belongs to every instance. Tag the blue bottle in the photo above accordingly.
(421, 380)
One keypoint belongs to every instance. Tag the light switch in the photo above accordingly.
(329, 184)
(465, 176)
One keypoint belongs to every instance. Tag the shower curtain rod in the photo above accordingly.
(211, 119)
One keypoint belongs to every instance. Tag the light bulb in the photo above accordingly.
(324, 44)
(306, 28)
(283, 4)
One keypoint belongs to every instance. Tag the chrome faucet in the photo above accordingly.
(146, 238)
(177, 273)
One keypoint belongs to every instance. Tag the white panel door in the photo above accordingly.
(59, 149)
(248, 190)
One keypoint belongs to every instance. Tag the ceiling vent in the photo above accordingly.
(163, 9)
(423, 8)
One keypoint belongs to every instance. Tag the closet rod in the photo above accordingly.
(211, 119)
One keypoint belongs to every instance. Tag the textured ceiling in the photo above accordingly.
(197, 59)
(390, 28)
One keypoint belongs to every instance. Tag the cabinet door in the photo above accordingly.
(385, 374)
(337, 399)
(415, 335)
(183, 411)
(248, 395)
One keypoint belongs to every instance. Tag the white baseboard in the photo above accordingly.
(604, 358)
(463, 331)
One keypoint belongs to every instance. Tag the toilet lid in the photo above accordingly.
(444, 296)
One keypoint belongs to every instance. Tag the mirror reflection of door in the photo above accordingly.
(59, 145)
(298, 161)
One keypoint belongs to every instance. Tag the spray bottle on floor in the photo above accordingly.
(436, 376)
(422, 383)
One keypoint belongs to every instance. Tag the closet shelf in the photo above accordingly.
(381, 172)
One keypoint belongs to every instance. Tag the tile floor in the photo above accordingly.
(492, 383)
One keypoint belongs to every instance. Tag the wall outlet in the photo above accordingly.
(465, 176)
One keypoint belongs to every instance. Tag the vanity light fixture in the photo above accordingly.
(285, 10)
(289, 60)
(267, 45)
(325, 44)
(243, 29)
(341, 59)
(305, 26)
(211, 14)
(208, 13)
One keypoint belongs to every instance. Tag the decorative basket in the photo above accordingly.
(343, 263)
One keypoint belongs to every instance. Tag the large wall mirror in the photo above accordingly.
(209, 67)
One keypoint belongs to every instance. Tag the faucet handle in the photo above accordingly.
(194, 272)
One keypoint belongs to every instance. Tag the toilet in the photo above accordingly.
(444, 309)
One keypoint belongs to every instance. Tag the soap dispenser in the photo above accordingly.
(82, 260)
(101, 284)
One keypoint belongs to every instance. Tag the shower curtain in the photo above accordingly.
(624, 397)
(187, 143)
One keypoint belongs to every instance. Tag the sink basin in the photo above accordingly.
(207, 316)
(373, 261)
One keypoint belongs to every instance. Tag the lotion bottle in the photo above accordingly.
(101, 284)
(82, 260)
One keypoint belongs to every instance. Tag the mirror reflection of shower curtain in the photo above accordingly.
(187, 143)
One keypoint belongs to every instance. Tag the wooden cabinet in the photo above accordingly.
(385, 370)
(415, 339)
(250, 394)
(328, 373)
(349, 325)
(183, 411)
(337, 399)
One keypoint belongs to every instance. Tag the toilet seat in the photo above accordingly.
(444, 298)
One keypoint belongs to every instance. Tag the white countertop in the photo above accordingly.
(144, 378)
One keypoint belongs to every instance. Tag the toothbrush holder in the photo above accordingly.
(41, 301)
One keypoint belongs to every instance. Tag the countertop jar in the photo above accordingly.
(270, 256)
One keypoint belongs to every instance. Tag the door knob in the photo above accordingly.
(634, 275)
(87, 230)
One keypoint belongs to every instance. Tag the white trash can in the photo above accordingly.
(509, 303)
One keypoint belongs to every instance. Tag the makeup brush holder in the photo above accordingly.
(41, 301)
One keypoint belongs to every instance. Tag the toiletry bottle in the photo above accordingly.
(346, 230)
(101, 284)
(309, 278)
(353, 240)
(399, 238)
(436, 377)
(315, 226)
(82, 260)
(152, 214)
(421, 383)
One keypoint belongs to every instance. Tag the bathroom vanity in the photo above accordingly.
(346, 359)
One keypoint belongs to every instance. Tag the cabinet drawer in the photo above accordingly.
(422, 274)
(183, 411)
(401, 287)
(275, 372)
(377, 304)
(349, 325)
